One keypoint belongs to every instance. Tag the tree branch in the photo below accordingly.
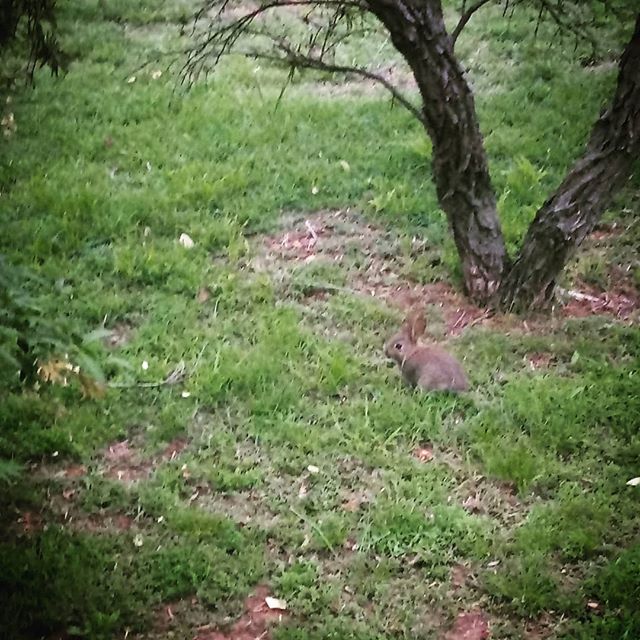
(465, 17)
(297, 60)
(222, 35)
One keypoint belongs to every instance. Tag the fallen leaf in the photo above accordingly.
(276, 603)
(315, 190)
(186, 241)
(345, 165)
(592, 604)
(131, 79)
(302, 492)
(138, 540)
(493, 563)
(313, 469)
(156, 74)
(185, 394)
(634, 482)
(145, 365)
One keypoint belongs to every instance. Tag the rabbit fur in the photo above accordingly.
(426, 366)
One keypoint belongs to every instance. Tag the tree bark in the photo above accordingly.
(570, 214)
(460, 166)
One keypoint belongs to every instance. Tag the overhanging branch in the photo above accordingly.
(465, 17)
(299, 61)
(317, 51)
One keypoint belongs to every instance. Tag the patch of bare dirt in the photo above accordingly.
(177, 619)
(370, 257)
(123, 462)
(423, 453)
(540, 628)
(256, 622)
(482, 496)
(174, 449)
(100, 522)
(375, 267)
(605, 232)
(472, 625)
(622, 301)
(118, 336)
(460, 575)
(540, 360)
(30, 522)
(247, 507)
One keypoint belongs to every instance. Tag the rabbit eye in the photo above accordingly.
(398, 346)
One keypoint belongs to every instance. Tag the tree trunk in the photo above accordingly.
(460, 165)
(566, 218)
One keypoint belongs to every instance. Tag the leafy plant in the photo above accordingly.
(35, 345)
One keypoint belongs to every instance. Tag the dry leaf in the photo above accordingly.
(276, 603)
(138, 540)
(315, 190)
(131, 79)
(156, 74)
(185, 394)
(186, 241)
(145, 365)
(302, 492)
(345, 165)
(634, 482)
(313, 469)
(592, 604)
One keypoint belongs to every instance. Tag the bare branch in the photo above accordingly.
(302, 61)
(318, 51)
(465, 17)
(223, 35)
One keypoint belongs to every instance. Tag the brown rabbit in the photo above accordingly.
(428, 367)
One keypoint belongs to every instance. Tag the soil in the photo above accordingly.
(375, 268)
(255, 623)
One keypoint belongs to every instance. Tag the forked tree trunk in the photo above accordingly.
(566, 218)
(460, 165)
(461, 172)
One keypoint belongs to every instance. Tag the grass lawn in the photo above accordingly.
(288, 460)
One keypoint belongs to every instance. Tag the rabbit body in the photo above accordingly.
(427, 367)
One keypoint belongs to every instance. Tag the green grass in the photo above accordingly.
(97, 184)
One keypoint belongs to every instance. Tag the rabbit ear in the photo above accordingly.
(416, 324)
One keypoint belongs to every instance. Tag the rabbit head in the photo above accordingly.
(402, 344)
